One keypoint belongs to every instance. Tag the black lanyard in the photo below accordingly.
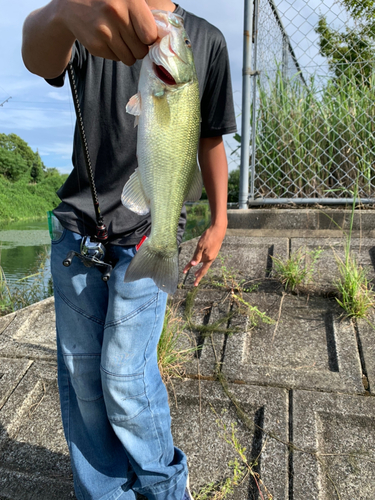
(101, 233)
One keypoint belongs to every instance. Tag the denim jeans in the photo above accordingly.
(114, 404)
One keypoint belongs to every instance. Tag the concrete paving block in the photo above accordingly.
(366, 340)
(15, 485)
(11, 373)
(341, 428)
(272, 218)
(310, 347)
(210, 308)
(245, 256)
(31, 333)
(34, 456)
(207, 408)
(5, 321)
(326, 272)
(310, 219)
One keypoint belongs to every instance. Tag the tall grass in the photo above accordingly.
(21, 200)
(309, 141)
(27, 290)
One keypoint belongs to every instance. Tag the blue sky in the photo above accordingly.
(44, 116)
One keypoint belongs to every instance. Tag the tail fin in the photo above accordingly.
(149, 263)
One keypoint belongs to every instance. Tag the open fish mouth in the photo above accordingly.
(164, 75)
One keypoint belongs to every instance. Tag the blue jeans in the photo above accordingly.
(114, 404)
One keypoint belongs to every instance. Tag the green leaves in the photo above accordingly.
(18, 160)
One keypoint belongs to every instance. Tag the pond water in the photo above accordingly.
(25, 257)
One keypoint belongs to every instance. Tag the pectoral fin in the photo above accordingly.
(195, 191)
(133, 196)
(134, 106)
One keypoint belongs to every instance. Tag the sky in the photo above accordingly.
(44, 116)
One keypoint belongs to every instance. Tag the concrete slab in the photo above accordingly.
(302, 218)
(210, 309)
(341, 429)
(207, 409)
(326, 271)
(310, 347)
(34, 456)
(366, 341)
(11, 373)
(31, 332)
(245, 256)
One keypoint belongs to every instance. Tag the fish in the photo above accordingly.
(167, 114)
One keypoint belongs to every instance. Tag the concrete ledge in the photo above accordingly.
(301, 219)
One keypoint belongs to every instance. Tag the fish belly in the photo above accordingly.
(167, 145)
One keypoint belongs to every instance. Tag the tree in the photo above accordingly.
(32, 165)
(36, 171)
(12, 165)
(234, 185)
(351, 53)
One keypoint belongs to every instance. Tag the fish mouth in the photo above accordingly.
(164, 75)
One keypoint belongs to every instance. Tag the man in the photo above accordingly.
(114, 405)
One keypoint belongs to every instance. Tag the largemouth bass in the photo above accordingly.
(167, 110)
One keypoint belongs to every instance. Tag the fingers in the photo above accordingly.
(144, 24)
(202, 271)
(197, 257)
(120, 30)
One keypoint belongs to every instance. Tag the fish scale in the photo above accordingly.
(168, 119)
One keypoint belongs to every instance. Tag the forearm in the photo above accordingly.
(47, 42)
(214, 167)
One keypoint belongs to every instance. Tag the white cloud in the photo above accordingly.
(30, 119)
(64, 150)
(59, 96)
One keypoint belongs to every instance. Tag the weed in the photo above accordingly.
(237, 288)
(240, 468)
(355, 295)
(171, 358)
(297, 269)
(27, 290)
(5, 295)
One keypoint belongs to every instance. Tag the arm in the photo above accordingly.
(115, 29)
(213, 163)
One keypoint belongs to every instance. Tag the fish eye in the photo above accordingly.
(187, 42)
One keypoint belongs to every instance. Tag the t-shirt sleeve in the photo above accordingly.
(217, 107)
(79, 54)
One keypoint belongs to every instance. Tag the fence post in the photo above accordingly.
(254, 74)
(245, 120)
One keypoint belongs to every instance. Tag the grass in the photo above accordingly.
(21, 200)
(356, 296)
(240, 467)
(297, 269)
(229, 280)
(6, 305)
(27, 290)
(171, 355)
(310, 140)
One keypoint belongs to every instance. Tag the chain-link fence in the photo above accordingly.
(313, 101)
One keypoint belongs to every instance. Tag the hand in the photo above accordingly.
(120, 30)
(206, 252)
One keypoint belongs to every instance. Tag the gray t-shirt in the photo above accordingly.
(104, 88)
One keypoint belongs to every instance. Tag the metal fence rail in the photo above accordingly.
(312, 103)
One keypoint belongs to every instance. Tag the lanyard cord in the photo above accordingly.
(101, 230)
